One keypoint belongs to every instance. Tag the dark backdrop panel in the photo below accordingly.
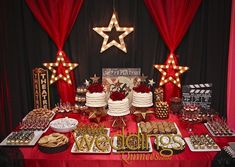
(204, 48)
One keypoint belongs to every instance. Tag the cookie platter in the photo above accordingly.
(53, 143)
(158, 128)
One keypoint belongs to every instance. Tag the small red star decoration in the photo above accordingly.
(170, 72)
(64, 67)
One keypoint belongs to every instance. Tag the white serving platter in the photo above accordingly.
(74, 149)
(37, 135)
(212, 133)
(178, 131)
(187, 139)
(129, 151)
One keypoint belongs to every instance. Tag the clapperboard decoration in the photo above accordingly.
(199, 94)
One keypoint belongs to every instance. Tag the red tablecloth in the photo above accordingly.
(33, 157)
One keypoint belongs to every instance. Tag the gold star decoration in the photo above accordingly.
(96, 114)
(65, 74)
(95, 79)
(113, 23)
(119, 122)
(87, 83)
(151, 82)
(93, 116)
(170, 72)
(142, 113)
(117, 84)
(142, 78)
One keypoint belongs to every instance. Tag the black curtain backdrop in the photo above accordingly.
(24, 46)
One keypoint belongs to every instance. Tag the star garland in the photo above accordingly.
(113, 23)
(60, 62)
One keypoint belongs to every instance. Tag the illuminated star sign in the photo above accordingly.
(113, 23)
(170, 72)
(58, 75)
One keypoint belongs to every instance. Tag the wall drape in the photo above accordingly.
(5, 98)
(57, 18)
(172, 19)
(204, 48)
(231, 72)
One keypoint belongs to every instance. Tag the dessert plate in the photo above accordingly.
(213, 134)
(187, 139)
(37, 135)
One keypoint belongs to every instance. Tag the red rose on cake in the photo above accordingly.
(117, 95)
(142, 96)
(95, 96)
(118, 102)
(142, 88)
(95, 88)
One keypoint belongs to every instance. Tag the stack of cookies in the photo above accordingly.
(53, 143)
(158, 127)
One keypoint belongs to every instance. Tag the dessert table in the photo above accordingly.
(34, 157)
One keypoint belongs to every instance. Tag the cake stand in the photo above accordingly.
(96, 112)
(119, 120)
(142, 112)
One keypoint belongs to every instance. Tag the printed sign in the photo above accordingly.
(199, 94)
(123, 75)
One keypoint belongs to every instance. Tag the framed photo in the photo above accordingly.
(123, 75)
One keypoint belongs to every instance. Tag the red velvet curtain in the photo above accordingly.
(5, 106)
(57, 18)
(231, 72)
(172, 19)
